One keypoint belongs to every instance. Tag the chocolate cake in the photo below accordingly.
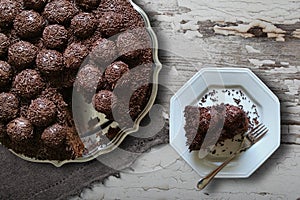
(213, 124)
(48, 49)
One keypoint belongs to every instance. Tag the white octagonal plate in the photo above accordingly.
(236, 86)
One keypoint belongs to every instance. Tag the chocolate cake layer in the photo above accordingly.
(213, 124)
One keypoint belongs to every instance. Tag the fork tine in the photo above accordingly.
(255, 128)
(262, 129)
(258, 137)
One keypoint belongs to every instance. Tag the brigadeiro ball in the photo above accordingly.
(54, 135)
(88, 79)
(104, 51)
(9, 106)
(6, 73)
(88, 4)
(111, 23)
(104, 101)
(4, 44)
(49, 61)
(83, 25)
(41, 112)
(129, 45)
(37, 5)
(28, 83)
(55, 36)
(60, 11)
(74, 55)
(20, 130)
(8, 11)
(29, 24)
(22, 54)
(115, 71)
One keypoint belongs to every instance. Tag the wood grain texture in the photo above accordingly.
(194, 34)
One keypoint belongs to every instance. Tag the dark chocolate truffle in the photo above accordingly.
(129, 45)
(9, 106)
(4, 44)
(104, 102)
(104, 51)
(60, 11)
(111, 23)
(41, 112)
(83, 25)
(115, 71)
(88, 79)
(29, 24)
(20, 130)
(49, 61)
(117, 6)
(54, 135)
(88, 4)
(22, 54)
(55, 36)
(8, 11)
(37, 5)
(6, 73)
(28, 83)
(74, 55)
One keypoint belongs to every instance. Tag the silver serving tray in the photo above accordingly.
(89, 112)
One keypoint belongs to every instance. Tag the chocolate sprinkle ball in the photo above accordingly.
(29, 24)
(88, 4)
(60, 11)
(104, 51)
(74, 55)
(22, 54)
(129, 45)
(55, 36)
(49, 61)
(83, 25)
(28, 83)
(54, 135)
(104, 102)
(4, 44)
(6, 73)
(37, 5)
(8, 11)
(41, 112)
(115, 71)
(9, 106)
(88, 79)
(20, 130)
(111, 23)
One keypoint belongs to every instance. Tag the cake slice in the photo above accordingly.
(206, 126)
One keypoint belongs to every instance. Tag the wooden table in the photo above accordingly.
(261, 35)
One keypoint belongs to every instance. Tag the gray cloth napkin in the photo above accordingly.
(25, 180)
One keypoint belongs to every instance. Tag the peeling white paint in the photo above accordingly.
(250, 49)
(242, 30)
(260, 63)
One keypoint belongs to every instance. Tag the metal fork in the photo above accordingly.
(251, 137)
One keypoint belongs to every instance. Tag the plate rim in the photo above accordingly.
(251, 74)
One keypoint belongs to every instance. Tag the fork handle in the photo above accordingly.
(207, 179)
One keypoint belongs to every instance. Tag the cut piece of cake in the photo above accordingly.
(206, 126)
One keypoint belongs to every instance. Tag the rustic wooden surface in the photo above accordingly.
(261, 35)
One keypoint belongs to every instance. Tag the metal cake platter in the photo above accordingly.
(88, 112)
